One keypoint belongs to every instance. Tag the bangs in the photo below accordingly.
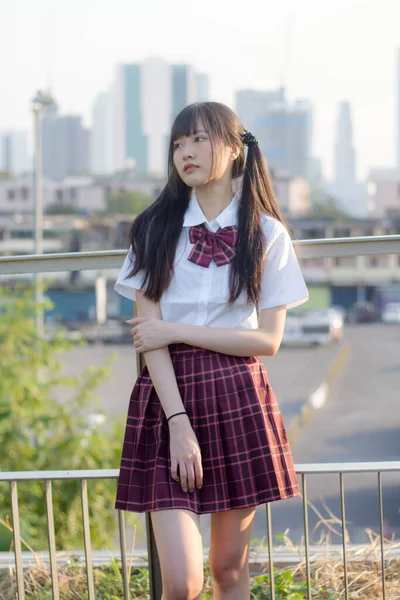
(185, 123)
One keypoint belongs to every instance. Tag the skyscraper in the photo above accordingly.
(252, 104)
(184, 87)
(14, 156)
(344, 170)
(148, 96)
(283, 130)
(130, 140)
(65, 146)
(156, 104)
(203, 87)
(398, 107)
(102, 134)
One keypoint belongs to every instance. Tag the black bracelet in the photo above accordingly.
(176, 414)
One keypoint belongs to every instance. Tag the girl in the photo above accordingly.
(213, 270)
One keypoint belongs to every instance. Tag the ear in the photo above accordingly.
(235, 153)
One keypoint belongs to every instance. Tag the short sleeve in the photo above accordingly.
(127, 286)
(282, 281)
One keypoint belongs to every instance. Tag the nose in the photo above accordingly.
(188, 151)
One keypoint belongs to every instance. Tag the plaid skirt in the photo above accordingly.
(245, 453)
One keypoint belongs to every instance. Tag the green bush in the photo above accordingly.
(38, 433)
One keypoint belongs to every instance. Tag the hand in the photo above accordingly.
(185, 454)
(150, 333)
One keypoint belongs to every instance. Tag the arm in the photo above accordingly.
(184, 448)
(264, 341)
(159, 363)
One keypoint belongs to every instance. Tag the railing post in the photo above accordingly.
(52, 540)
(122, 541)
(270, 552)
(86, 540)
(152, 553)
(153, 561)
(17, 541)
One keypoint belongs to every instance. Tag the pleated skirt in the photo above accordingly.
(245, 453)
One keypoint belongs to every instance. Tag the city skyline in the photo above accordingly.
(76, 46)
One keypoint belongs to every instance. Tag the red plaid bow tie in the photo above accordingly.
(209, 245)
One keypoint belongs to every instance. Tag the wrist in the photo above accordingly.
(174, 333)
(178, 420)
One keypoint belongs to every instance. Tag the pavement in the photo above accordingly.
(357, 421)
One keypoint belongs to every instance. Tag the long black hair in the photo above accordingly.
(155, 232)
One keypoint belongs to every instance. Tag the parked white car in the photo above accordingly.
(314, 327)
(391, 313)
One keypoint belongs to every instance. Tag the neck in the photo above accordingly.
(214, 197)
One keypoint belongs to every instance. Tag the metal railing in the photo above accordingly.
(303, 471)
(112, 259)
(337, 247)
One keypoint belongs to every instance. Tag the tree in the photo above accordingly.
(128, 202)
(61, 209)
(39, 433)
(323, 205)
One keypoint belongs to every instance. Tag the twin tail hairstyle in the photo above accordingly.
(155, 232)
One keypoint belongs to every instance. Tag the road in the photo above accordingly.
(360, 422)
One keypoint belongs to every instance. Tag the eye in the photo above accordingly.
(199, 138)
(177, 145)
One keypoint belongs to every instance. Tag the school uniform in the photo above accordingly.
(245, 453)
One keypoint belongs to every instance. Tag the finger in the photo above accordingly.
(183, 476)
(174, 469)
(190, 476)
(136, 320)
(198, 470)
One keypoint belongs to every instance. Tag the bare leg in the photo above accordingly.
(229, 553)
(180, 549)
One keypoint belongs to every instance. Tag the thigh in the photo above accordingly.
(230, 536)
(179, 544)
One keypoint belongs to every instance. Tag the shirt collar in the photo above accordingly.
(195, 216)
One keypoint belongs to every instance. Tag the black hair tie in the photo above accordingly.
(248, 138)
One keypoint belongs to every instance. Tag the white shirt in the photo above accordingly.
(199, 296)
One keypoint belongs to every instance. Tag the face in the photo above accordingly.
(195, 160)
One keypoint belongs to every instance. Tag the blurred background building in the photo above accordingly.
(148, 96)
(284, 130)
(14, 156)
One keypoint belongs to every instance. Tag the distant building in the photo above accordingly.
(384, 193)
(130, 140)
(65, 146)
(14, 157)
(86, 195)
(184, 87)
(398, 107)
(252, 104)
(203, 87)
(148, 96)
(315, 172)
(102, 134)
(344, 168)
(82, 193)
(283, 130)
(156, 102)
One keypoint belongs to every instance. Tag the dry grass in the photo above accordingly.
(364, 575)
(363, 564)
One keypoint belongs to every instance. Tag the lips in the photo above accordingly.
(189, 168)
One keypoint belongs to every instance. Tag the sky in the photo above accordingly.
(324, 51)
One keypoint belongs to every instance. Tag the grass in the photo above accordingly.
(327, 576)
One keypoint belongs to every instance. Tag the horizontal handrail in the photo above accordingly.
(301, 469)
(112, 259)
